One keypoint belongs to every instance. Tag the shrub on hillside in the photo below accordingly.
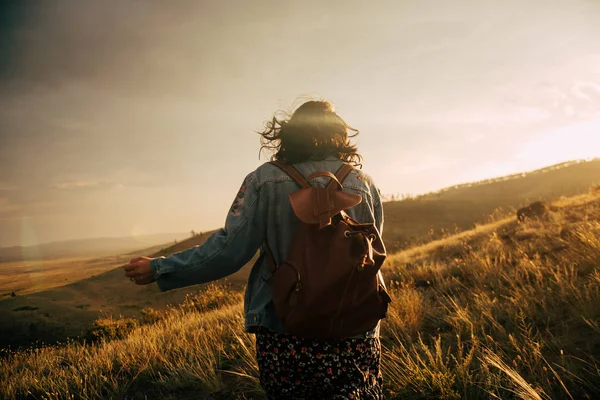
(150, 315)
(213, 296)
(110, 328)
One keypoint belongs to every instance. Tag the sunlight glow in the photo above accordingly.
(30, 250)
(580, 141)
(29, 240)
(574, 142)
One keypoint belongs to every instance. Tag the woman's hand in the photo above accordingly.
(139, 271)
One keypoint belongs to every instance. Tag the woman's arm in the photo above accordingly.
(224, 252)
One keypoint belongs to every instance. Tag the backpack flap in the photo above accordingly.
(317, 205)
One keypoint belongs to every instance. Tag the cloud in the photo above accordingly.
(122, 47)
(7, 208)
(514, 115)
(80, 185)
(8, 186)
(576, 100)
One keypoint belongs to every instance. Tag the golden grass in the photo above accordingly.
(508, 312)
(181, 350)
(36, 274)
(502, 317)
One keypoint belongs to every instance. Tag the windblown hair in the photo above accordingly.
(314, 131)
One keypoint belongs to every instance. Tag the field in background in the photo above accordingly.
(24, 277)
(86, 248)
(67, 308)
(507, 311)
(37, 274)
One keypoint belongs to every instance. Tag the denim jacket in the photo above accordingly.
(261, 212)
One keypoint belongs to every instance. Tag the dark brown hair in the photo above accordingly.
(314, 131)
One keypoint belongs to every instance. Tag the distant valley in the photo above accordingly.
(87, 247)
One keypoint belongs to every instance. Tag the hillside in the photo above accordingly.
(505, 311)
(413, 221)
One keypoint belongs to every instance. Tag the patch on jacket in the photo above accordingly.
(361, 176)
(238, 202)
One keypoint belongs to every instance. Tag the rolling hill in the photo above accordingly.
(67, 310)
(458, 208)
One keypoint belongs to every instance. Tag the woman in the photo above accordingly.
(314, 138)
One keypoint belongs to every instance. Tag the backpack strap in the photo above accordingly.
(334, 179)
(292, 172)
(341, 174)
(270, 257)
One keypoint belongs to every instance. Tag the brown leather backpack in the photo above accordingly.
(329, 286)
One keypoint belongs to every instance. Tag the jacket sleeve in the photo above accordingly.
(377, 209)
(225, 251)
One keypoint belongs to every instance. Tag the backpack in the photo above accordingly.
(329, 286)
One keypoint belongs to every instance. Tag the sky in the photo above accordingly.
(131, 117)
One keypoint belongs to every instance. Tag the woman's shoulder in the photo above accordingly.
(267, 172)
(357, 179)
(362, 176)
(360, 180)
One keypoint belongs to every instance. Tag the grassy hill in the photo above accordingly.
(504, 311)
(412, 221)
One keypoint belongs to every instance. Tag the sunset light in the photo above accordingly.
(308, 199)
(574, 142)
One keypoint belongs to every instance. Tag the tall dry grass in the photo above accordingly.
(510, 312)
(175, 353)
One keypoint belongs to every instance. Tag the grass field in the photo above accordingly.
(59, 312)
(505, 311)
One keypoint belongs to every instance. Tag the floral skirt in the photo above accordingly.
(293, 367)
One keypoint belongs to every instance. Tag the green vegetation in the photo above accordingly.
(505, 312)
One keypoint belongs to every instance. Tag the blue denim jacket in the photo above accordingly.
(261, 212)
